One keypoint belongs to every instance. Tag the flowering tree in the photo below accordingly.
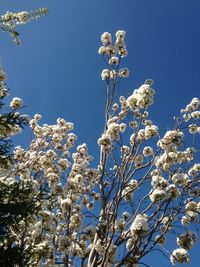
(16, 196)
(144, 189)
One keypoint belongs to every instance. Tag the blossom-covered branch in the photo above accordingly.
(10, 20)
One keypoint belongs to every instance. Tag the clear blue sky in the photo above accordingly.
(57, 69)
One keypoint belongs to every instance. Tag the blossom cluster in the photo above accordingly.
(112, 133)
(114, 128)
(22, 17)
(9, 20)
(11, 122)
(140, 225)
(142, 97)
(114, 54)
(3, 90)
(44, 163)
(187, 240)
(179, 255)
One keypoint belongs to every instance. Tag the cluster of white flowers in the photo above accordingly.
(173, 191)
(48, 156)
(20, 18)
(167, 159)
(3, 77)
(159, 181)
(159, 191)
(114, 53)
(147, 151)
(187, 240)
(112, 133)
(109, 49)
(179, 255)
(162, 188)
(192, 209)
(113, 74)
(193, 128)
(191, 113)
(9, 20)
(195, 115)
(113, 61)
(141, 98)
(106, 38)
(180, 178)
(194, 170)
(140, 225)
(114, 129)
(148, 132)
(120, 44)
(157, 194)
(105, 141)
(192, 106)
(9, 129)
(144, 134)
(16, 103)
(171, 139)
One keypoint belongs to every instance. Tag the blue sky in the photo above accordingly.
(57, 69)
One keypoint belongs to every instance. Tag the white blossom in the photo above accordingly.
(187, 240)
(157, 194)
(140, 225)
(141, 98)
(114, 61)
(179, 255)
(105, 74)
(106, 38)
(16, 102)
(124, 73)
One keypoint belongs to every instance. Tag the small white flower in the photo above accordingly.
(106, 38)
(120, 34)
(147, 151)
(16, 102)
(102, 50)
(114, 61)
(124, 73)
(180, 178)
(105, 74)
(113, 74)
(179, 255)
